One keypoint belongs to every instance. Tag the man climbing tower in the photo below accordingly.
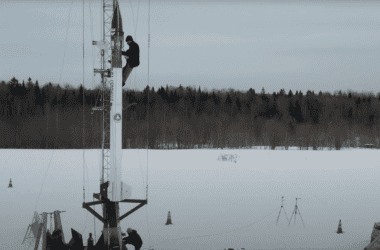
(133, 58)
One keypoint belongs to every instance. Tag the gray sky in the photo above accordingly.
(293, 45)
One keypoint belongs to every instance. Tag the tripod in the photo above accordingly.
(282, 207)
(295, 214)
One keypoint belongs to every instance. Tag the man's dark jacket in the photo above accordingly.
(90, 243)
(133, 239)
(134, 55)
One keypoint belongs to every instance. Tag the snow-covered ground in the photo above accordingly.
(204, 195)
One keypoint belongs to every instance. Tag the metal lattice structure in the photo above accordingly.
(107, 21)
(44, 229)
(31, 233)
(107, 84)
(106, 75)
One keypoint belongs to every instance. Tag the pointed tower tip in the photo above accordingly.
(117, 22)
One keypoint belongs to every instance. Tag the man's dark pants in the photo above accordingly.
(126, 72)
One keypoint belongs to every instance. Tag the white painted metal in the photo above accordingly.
(116, 136)
(126, 191)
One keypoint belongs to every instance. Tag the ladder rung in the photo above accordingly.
(100, 70)
(108, 71)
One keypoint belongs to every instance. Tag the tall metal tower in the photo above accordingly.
(112, 189)
(106, 78)
(106, 75)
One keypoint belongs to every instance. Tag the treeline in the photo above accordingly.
(52, 117)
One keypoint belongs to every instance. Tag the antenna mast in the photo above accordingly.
(108, 8)
(106, 73)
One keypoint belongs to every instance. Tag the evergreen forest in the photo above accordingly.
(52, 117)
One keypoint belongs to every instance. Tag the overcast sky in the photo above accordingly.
(295, 45)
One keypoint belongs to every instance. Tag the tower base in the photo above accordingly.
(102, 242)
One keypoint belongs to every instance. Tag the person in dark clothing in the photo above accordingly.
(133, 239)
(133, 58)
(90, 242)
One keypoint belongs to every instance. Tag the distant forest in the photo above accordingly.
(51, 117)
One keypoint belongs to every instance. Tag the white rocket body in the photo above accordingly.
(116, 136)
(117, 190)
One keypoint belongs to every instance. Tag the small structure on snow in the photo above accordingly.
(169, 220)
(339, 228)
(228, 157)
(10, 183)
